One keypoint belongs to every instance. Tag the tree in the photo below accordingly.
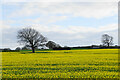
(107, 40)
(6, 49)
(52, 45)
(18, 49)
(25, 48)
(31, 38)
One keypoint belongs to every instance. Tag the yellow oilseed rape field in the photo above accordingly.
(84, 63)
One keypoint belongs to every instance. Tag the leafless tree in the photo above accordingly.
(31, 38)
(107, 40)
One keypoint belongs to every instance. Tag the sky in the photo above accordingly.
(70, 23)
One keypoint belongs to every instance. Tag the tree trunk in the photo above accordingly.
(33, 50)
(108, 44)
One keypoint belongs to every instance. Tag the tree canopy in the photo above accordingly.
(107, 40)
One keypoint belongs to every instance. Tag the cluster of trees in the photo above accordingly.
(9, 50)
(32, 39)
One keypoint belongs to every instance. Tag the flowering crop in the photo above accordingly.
(88, 63)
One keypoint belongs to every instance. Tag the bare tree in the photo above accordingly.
(31, 38)
(107, 40)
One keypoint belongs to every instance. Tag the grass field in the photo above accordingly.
(87, 63)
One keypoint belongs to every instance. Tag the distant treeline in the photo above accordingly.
(8, 50)
(64, 48)
(96, 47)
(87, 47)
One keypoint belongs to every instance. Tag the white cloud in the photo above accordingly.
(84, 29)
(88, 10)
(75, 29)
(4, 26)
(46, 19)
(61, 0)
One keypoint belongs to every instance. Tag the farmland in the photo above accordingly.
(86, 63)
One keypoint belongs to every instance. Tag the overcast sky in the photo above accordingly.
(66, 23)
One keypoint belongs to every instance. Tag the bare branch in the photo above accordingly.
(30, 37)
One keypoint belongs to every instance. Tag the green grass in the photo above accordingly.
(87, 63)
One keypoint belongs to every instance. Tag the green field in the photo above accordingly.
(87, 63)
